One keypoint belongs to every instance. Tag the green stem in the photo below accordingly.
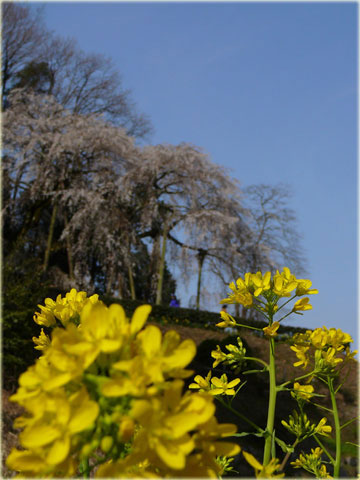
(257, 360)
(350, 421)
(282, 318)
(85, 468)
(321, 406)
(286, 458)
(337, 428)
(296, 379)
(272, 403)
(283, 305)
(324, 449)
(240, 415)
(248, 326)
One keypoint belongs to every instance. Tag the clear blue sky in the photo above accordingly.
(269, 90)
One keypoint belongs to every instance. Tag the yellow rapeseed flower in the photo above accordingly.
(264, 471)
(303, 288)
(261, 283)
(167, 421)
(300, 351)
(241, 292)
(228, 320)
(302, 304)
(42, 342)
(271, 330)
(202, 384)
(302, 391)
(222, 386)
(63, 309)
(284, 283)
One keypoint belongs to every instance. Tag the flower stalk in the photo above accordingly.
(272, 404)
(337, 428)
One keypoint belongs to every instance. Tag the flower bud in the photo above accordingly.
(106, 443)
(86, 450)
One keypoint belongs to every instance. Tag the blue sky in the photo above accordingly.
(269, 90)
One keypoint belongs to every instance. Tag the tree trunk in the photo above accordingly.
(131, 282)
(50, 237)
(120, 286)
(161, 268)
(201, 257)
(109, 280)
(68, 251)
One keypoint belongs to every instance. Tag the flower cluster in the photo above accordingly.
(235, 358)
(111, 389)
(245, 291)
(302, 392)
(300, 426)
(311, 462)
(215, 386)
(331, 348)
(63, 309)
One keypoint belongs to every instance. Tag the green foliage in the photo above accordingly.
(23, 290)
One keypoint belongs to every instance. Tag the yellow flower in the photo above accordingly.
(209, 440)
(38, 378)
(271, 330)
(167, 358)
(241, 293)
(219, 356)
(311, 462)
(201, 383)
(264, 471)
(261, 283)
(300, 351)
(49, 435)
(222, 386)
(153, 360)
(126, 429)
(46, 317)
(167, 421)
(302, 304)
(323, 429)
(63, 309)
(284, 283)
(303, 288)
(302, 391)
(108, 328)
(42, 342)
(69, 353)
(336, 338)
(303, 459)
(228, 320)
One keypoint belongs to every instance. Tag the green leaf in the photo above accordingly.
(285, 448)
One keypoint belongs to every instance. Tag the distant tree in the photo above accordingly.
(23, 34)
(274, 227)
(53, 157)
(36, 76)
(34, 58)
(177, 190)
(264, 238)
